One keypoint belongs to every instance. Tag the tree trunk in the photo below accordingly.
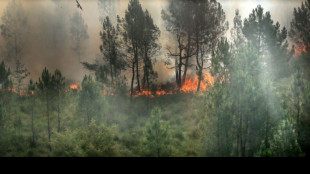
(298, 119)
(200, 67)
(241, 138)
(176, 65)
(48, 121)
(111, 69)
(58, 112)
(87, 114)
(137, 68)
(132, 79)
(32, 126)
(180, 70)
(187, 56)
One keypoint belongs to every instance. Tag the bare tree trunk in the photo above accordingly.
(238, 143)
(58, 111)
(137, 68)
(176, 65)
(133, 78)
(187, 56)
(48, 121)
(218, 136)
(179, 80)
(200, 66)
(111, 69)
(180, 71)
(298, 119)
(32, 126)
(87, 113)
(138, 77)
(240, 129)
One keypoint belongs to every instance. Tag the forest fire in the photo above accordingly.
(190, 86)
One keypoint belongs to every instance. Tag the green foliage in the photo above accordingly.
(157, 138)
(89, 100)
(269, 40)
(95, 140)
(221, 59)
(283, 144)
(5, 81)
(45, 82)
(110, 49)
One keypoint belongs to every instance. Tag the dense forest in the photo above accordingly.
(238, 89)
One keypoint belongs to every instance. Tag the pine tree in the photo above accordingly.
(78, 33)
(59, 85)
(197, 27)
(89, 98)
(5, 84)
(300, 101)
(113, 59)
(45, 85)
(149, 48)
(269, 40)
(5, 73)
(157, 135)
(132, 31)
(31, 92)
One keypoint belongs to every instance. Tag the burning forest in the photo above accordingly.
(160, 78)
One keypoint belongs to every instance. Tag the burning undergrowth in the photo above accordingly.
(190, 85)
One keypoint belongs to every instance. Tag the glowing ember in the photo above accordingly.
(74, 86)
(106, 92)
(21, 92)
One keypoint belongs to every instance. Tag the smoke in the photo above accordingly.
(280, 10)
(47, 42)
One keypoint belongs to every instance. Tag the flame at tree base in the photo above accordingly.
(189, 86)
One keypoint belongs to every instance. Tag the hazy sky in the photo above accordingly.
(39, 54)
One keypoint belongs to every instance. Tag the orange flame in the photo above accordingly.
(144, 92)
(299, 49)
(21, 92)
(189, 86)
(74, 86)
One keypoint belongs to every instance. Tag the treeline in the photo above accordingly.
(259, 104)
